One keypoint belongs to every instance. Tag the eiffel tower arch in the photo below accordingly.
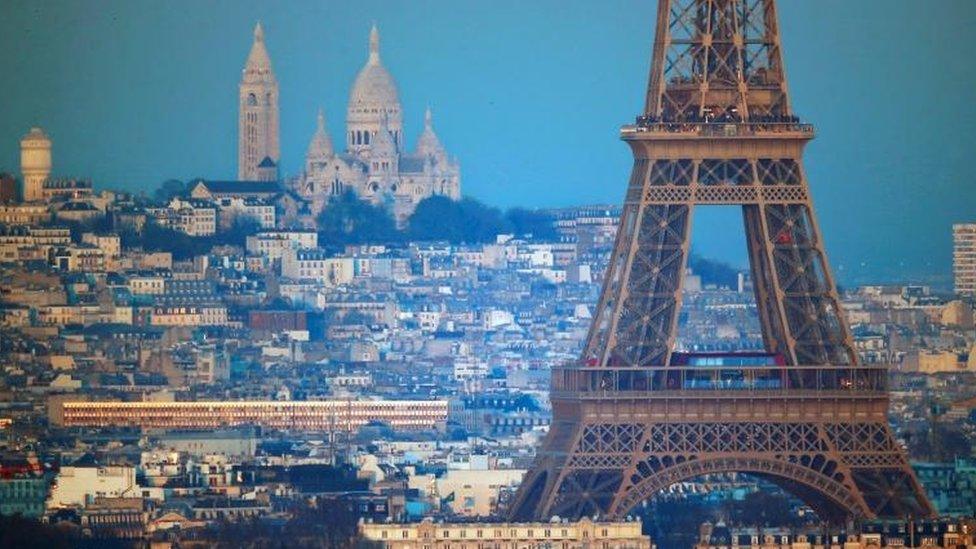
(634, 416)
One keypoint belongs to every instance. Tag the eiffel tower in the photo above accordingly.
(635, 416)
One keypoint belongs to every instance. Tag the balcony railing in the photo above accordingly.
(765, 380)
(719, 129)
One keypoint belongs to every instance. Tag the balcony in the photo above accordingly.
(717, 129)
(756, 381)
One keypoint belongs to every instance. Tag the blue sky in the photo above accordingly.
(529, 96)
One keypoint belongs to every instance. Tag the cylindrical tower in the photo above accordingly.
(35, 163)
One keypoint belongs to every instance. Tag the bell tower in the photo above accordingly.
(258, 119)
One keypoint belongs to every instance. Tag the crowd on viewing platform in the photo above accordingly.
(725, 123)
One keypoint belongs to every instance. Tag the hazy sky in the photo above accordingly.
(528, 94)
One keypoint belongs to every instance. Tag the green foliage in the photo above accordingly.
(18, 531)
(713, 272)
(349, 220)
(100, 224)
(467, 220)
(156, 238)
(168, 189)
(531, 222)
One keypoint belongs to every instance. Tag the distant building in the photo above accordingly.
(67, 190)
(24, 214)
(318, 265)
(258, 147)
(568, 535)
(191, 216)
(8, 188)
(375, 164)
(78, 485)
(219, 190)
(319, 415)
(35, 163)
(964, 258)
(273, 244)
(876, 535)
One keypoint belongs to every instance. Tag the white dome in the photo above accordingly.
(374, 87)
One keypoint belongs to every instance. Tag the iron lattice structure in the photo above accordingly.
(629, 420)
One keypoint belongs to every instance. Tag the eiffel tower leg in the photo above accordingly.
(841, 470)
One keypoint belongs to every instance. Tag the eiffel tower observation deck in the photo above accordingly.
(634, 415)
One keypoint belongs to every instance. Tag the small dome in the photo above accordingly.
(428, 144)
(374, 86)
(36, 135)
(321, 145)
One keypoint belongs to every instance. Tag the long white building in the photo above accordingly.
(317, 415)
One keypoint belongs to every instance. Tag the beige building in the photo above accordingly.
(189, 315)
(258, 149)
(273, 244)
(35, 163)
(147, 285)
(316, 264)
(110, 244)
(79, 486)
(556, 535)
(18, 243)
(24, 214)
(964, 258)
(937, 362)
(318, 415)
(375, 164)
(246, 209)
(191, 216)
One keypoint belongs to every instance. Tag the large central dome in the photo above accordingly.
(373, 95)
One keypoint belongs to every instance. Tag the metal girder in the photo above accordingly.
(627, 423)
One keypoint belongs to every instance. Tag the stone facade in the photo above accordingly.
(258, 149)
(35, 163)
(375, 164)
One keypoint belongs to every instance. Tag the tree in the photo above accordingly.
(168, 189)
(156, 238)
(241, 226)
(533, 222)
(467, 220)
(349, 220)
(713, 272)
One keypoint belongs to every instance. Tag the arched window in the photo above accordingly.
(366, 137)
(252, 99)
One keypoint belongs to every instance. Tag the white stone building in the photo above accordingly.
(80, 485)
(258, 148)
(191, 216)
(272, 244)
(316, 264)
(375, 163)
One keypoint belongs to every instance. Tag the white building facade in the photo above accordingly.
(375, 164)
